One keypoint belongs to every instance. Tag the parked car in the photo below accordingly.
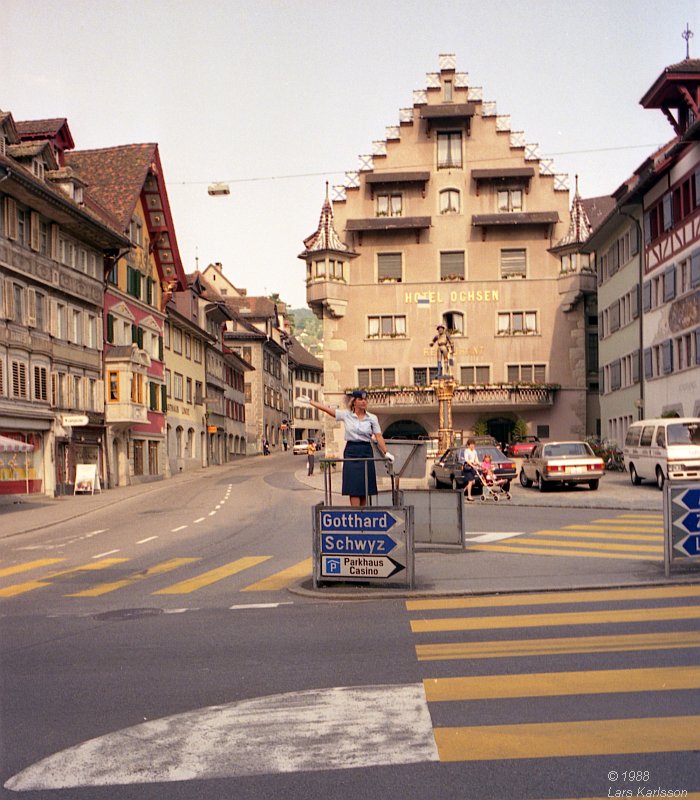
(447, 469)
(522, 447)
(563, 463)
(301, 447)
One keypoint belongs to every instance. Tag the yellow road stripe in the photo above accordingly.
(614, 528)
(556, 739)
(543, 620)
(21, 588)
(544, 551)
(549, 598)
(640, 516)
(557, 646)
(555, 684)
(214, 575)
(283, 578)
(159, 569)
(611, 536)
(648, 548)
(29, 565)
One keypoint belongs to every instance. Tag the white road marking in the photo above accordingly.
(108, 553)
(245, 606)
(201, 519)
(211, 513)
(338, 728)
(150, 539)
(176, 610)
(180, 528)
(492, 536)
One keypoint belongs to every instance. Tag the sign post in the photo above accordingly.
(681, 523)
(361, 545)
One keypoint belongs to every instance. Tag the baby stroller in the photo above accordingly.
(492, 488)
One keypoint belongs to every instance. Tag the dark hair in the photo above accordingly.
(471, 441)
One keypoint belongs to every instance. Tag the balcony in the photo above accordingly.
(125, 414)
(573, 286)
(382, 225)
(493, 398)
(328, 294)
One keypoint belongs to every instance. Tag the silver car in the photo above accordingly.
(562, 463)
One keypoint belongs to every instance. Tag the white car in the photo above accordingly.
(564, 463)
(301, 447)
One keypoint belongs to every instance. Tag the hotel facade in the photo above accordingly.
(454, 220)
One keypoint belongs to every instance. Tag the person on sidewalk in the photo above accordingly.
(311, 457)
(359, 475)
(471, 461)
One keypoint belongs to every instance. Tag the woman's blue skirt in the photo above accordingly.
(359, 477)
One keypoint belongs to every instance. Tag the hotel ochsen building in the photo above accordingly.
(456, 220)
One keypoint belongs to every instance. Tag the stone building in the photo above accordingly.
(450, 221)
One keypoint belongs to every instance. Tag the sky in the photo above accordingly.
(276, 98)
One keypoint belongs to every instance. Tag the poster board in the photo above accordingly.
(87, 479)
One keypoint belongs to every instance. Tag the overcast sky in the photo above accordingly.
(278, 97)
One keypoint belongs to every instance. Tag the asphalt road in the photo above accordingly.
(165, 627)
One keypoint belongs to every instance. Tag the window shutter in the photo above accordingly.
(31, 308)
(646, 296)
(34, 231)
(2, 378)
(110, 328)
(695, 269)
(54, 242)
(635, 366)
(452, 265)
(634, 240)
(648, 363)
(10, 210)
(697, 349)
(513, 263)
(139, 337)
(160, 348)
(647, 227)
(634, 301)
(134, 334)
(99, 334)
(100, 395)
(667, 356)
(163, 398)
(389, 266)
(670, 283)
(9, 299)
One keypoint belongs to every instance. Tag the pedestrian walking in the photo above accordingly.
(471, 462)
(359, 476)
(311, 457)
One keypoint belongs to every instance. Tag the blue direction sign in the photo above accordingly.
(690, 499)
(691, 522)
(357, 521)
(357, 544)
(690, 545)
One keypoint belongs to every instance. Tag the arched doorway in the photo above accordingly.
(405, 429)
(501, 429)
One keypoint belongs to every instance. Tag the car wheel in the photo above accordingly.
(541, 484)
(594, 484)
(636, 480)
(524, 480)
(453, 482)
(660, 479)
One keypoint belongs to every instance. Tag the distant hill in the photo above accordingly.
(308, 330)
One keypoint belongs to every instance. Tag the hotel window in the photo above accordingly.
(424, 376)
(450, 201)
(530, 373)
(510, 199)
(449, 150)
(454, 322)
(386, 327)
(389, 267)
(511, 323)
(452, 266)
(514, 263)
(474, 374)
(377, 376)
(177, 386)
(390, 204)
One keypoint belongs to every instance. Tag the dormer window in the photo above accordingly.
(78, 194)
(510, 200)
(136, 232)
(38, 168)
(449, 201)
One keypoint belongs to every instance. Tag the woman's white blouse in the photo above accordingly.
(358, 430)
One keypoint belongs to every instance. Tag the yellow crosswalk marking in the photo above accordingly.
(21, 588)
(213, 576)
(608, 526)
(543, 620)
(29, 565)
(556, 646)
(547, 551)
(159, 569)
(557, 739)
(281, 579)
(558, 684)
(647, 548)
(553, 598)
(598, 533)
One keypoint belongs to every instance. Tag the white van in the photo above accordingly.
(663, 449)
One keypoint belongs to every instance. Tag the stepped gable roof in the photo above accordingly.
(115, 175)
(325, 237)
(301, 356)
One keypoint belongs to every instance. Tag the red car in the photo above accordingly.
(521, 448)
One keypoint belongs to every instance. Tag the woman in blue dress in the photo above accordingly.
(359, 477)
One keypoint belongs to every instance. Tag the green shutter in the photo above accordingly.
(163, 397)
(134, 334)
(110, 328)
(160, 348)
(139, 334)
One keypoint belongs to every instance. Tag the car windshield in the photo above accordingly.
(494, 452)
(684, 433)
(567, 449)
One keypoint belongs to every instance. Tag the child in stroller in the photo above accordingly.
(492, 487)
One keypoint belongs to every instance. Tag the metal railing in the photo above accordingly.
(328, 466)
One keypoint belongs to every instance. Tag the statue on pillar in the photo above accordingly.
(445, 349)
